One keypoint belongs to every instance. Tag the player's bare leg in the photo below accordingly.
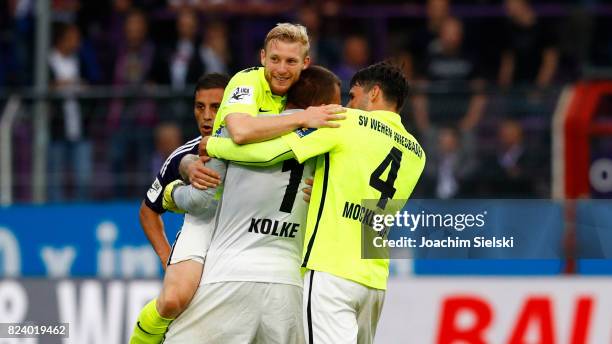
(180, 284)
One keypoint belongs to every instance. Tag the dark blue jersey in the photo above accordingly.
(168, 173)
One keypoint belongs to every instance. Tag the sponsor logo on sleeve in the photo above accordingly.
(242, 95)
(220, 132)
(154, 191)
(304, 131)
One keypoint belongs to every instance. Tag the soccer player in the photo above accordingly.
(184, 261)
(262, 90)
(251, 289)
(370, 156)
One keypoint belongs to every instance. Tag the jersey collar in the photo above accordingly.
(387, 114)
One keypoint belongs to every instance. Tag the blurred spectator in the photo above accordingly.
(436, 11)
(356, 55)
(180, 65)
(451, 163)
(70, 146)
(323, 47)
(4, 46)
(510, 172)
(131, 120)
(20, 38)
(453, 80)
(214, 51)
(120, 11)
(168, 137)
(530, 56)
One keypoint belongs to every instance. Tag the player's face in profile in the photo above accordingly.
(358, 98)
(205, 108)
(283, 62)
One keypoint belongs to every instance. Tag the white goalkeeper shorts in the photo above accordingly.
(241, 312)
(193, 240)
(338, 311)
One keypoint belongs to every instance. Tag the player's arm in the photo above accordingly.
(240, 108)
(153, 227)
(150, 216)
(244, 128)
(301, 145)
(179, 197)
(264, 153)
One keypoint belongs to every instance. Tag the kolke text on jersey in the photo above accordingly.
(274, 227)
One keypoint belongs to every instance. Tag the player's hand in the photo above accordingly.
(202, 148)
(202, 177)
(308, 191)
(321, 116)
(168, 200)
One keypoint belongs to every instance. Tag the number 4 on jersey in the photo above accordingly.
(386, 188)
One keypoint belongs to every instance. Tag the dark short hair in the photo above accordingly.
(210, 81)
(388, 77)
(316, 86)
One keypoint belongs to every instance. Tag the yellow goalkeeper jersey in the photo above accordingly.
(370, 157)
(248, 92)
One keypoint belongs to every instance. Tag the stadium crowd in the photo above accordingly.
(485, 78)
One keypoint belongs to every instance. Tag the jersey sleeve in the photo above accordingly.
(168, 173)
(264, 153)
(307, 143)
(240, 95)
(200, 202)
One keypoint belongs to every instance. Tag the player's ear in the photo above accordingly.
(374, 93)
(262, 57)
(306, 62)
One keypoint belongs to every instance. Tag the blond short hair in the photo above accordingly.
(290, 33)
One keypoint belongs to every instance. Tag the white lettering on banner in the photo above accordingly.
(600, 175)
(97, 311)
(138, 294)
(106, 234)
(10, 255)
(58, 261)
(90, 320)
(13, 302)
(127, 261)
(13, 309)
(545, 310)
